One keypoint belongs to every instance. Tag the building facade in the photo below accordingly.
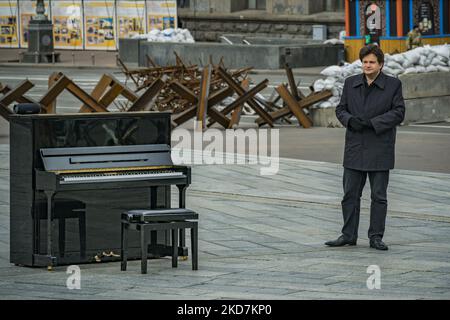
(209, 19)
(388, 22)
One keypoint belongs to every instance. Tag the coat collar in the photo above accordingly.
(379, 81)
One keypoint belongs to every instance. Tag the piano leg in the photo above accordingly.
(50, 206)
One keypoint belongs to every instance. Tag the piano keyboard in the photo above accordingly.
(114, 176)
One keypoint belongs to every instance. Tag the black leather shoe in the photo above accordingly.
(378, 244)
(341, 241)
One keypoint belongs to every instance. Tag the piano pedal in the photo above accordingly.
(114, 254)
(50, 268)
(183, 258)
(110, 254)
(98, 258)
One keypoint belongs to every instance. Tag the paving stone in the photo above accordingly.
(262, 238)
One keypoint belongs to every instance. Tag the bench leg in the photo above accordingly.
(124, 246)
(174, 248)
(194, 246)
(144, 249)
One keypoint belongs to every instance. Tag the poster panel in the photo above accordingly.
(27, 11)
(162, 15)
(9, 33)
(131, 18)
(99, 25)
(67, 24)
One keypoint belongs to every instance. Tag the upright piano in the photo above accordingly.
(72, 176)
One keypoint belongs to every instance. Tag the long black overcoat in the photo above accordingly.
(371, 149)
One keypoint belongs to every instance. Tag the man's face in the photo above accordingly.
(370, 65)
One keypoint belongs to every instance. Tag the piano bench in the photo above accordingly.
(146, 221)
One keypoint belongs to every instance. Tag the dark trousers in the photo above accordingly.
(354, 181)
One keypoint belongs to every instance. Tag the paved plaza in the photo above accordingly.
(261, 237)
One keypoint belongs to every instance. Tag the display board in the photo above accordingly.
(67, 24)
(161, 15)
(9, 31)
(99, 20)
(130, 18)
(86, 24)
(27, 11)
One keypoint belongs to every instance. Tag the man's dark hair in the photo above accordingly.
(372, 48)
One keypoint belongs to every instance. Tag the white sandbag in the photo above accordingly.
(413, 56)
(332, 71)
(431, 68)
(420, 69)
(358, 71)
(388, 70)
(347, 71)
(443, 69)
(441, 58)
(399, 58)
(394, 65)
(398, 72)
(325, 104)
(410, 70)
(319, 85)
(423, 58)
(443, 51)
(431, 54)
(333, 41)
(357, 63)
(427, 61)
(334, 100)
(329, 83)
(407, 64)
(154, 32)
(426, 50)
(438, 62)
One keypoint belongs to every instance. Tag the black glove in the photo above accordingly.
(355, 124)
(366, 123)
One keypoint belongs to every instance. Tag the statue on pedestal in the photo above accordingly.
(40, 38)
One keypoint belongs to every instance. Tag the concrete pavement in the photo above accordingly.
(261, 237)
(85, 59)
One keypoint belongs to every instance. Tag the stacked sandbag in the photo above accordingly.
(334, 81)
(167, 35)
(420, 60)
(333, 41)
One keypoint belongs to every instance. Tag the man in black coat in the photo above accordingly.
(371, 107)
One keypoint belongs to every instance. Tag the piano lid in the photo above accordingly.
(87, 158)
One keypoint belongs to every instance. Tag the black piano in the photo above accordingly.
(73, 175)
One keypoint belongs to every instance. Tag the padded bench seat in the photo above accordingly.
(144, 216)
(146, 220)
